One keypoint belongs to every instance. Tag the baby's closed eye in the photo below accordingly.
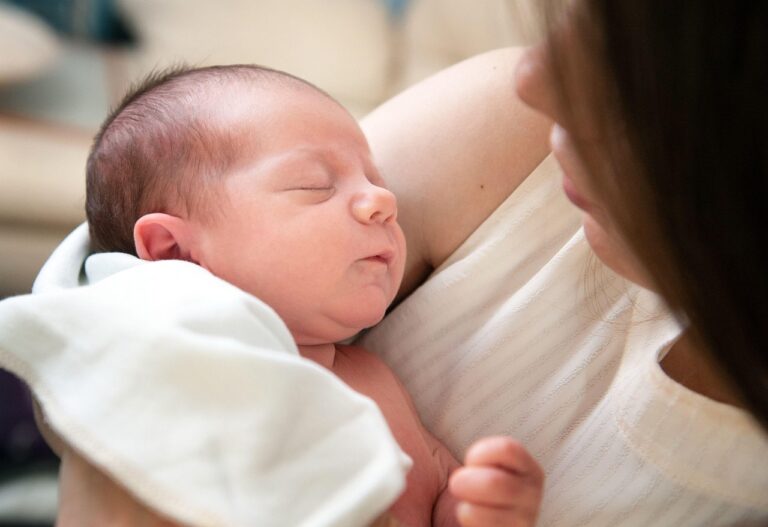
(325, 188)
(309, 180)
(311, 192)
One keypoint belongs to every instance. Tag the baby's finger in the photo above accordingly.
(470, 515)
(504, 452)
(495, 487)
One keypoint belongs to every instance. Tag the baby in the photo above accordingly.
(268, 183)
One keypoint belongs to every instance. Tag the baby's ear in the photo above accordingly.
(160, 236)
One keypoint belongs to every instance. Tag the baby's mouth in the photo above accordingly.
(383, 257)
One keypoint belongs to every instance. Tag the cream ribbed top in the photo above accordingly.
(523, 332)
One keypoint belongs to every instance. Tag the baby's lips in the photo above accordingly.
(387, 256)
(378, 258)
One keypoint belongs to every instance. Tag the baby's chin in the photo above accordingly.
(331, 330)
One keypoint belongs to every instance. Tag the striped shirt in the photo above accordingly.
(522, 331)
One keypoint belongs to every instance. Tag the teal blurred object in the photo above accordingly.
(95, 20)
(396, 7)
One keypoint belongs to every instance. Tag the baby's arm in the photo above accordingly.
(444, 511)
(499, 484)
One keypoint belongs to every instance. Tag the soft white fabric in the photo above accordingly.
(191, 393)
(345, 47)
(28, 44)
(523, 332)
(439, 33)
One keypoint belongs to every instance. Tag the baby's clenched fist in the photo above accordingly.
(500, 484)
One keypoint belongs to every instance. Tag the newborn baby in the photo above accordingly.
(268, 183)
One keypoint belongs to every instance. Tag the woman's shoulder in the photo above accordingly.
(470, 142)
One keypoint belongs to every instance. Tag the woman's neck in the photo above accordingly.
(690, 366)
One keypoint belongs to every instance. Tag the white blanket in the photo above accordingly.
(191, 393)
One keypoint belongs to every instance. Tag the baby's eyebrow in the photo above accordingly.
(278, 163)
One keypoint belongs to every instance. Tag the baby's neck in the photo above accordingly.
(323, 354)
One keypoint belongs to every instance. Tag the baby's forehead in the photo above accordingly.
(249, 121)
(245, 112)
(234, 96)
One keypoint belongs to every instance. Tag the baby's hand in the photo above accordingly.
(499, 484)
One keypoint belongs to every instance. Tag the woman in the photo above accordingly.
(655, 105)
(660, 131)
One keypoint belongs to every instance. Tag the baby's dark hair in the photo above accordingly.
(156, 152)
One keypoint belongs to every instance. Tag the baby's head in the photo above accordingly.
(262, 179)
(170, 142)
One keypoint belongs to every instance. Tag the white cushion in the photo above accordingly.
(343, 46)
(42, 174)
(28, 45)
(438, 33)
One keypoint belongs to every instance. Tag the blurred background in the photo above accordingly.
(64, 63)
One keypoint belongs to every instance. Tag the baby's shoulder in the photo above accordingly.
(365, 372)
(355, 362)
(359, 355)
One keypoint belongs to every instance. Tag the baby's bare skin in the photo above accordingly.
(414, 171)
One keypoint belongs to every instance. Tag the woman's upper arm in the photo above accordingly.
(452, 148)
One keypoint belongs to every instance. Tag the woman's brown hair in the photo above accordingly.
(680, 99)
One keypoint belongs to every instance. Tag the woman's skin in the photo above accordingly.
(88, 497)
(452, 148)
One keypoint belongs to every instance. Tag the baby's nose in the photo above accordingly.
(375, 205)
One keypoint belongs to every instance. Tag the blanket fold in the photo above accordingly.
(191, 394)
